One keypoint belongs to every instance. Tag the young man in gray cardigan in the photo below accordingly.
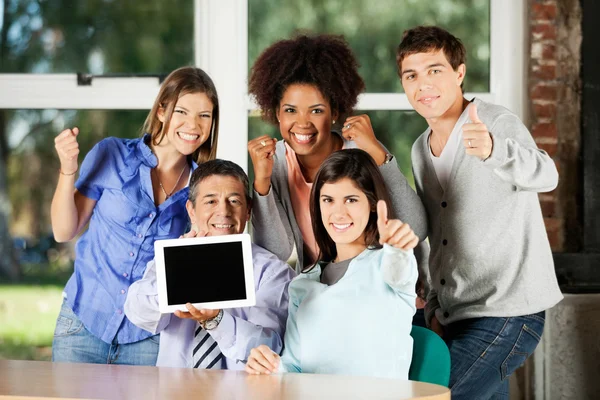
(478, 172)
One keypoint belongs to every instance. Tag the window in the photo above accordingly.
(374, 30)
(50, 37)
(44, 44)
(227, 35)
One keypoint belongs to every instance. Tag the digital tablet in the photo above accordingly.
(210, 272)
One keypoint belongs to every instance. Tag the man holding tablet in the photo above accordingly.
(219, 204)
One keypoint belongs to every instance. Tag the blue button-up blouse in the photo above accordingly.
(119, 241)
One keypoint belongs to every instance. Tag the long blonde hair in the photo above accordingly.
(180, 82)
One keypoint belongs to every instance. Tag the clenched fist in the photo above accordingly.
(67, 149)
(262, 150)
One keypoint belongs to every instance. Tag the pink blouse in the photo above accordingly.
(300, 196)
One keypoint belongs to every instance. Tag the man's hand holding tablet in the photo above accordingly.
(192, 312)
(199, 274)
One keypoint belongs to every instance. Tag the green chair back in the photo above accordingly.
(430, 358)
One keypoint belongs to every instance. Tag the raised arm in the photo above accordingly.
(398, 264)
(70, 210)
(271, 227)
(407, 204)
(508, 148)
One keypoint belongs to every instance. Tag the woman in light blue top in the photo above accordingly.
(350, 313)
(132, 192)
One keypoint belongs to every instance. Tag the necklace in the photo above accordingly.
(167, 195)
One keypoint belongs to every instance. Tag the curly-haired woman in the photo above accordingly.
(304, 86)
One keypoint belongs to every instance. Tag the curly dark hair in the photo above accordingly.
(325, 61)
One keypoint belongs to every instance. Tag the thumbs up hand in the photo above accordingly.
(476, 137)
(393, 231)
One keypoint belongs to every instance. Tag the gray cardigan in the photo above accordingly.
(274, 225)
(490, 255)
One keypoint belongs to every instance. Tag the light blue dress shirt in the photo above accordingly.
(119, 241)
(240, 330)
(358, 326)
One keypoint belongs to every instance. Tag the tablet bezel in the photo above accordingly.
(161, 281)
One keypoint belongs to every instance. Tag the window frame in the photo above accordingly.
(220, 46)
(578, 272)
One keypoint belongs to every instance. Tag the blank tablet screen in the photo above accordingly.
(204, 273)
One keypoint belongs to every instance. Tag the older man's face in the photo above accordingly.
(221, 207)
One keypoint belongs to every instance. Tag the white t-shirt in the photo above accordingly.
(443, 163)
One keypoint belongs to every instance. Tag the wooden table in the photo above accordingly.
(43, 380)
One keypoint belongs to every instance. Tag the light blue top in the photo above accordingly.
(113, 252)
(360, 325)
(240, 330)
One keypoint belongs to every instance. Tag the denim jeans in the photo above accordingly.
(73, 343)
(486, 351)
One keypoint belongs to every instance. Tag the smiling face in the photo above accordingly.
(305, 118)
(190, 123)
(345, 212)
(221, 207)
(430, 83)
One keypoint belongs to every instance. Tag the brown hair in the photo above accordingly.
(324, 61)
(358, 166)
(424, 39)
(180, 82)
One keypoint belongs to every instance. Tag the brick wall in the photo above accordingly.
(554, 104)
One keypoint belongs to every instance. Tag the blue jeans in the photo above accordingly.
(486, 351)
(73, 343)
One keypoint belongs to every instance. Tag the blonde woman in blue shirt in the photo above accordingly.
(350, 313)
(131, 192)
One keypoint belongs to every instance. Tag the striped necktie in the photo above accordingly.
(206, 353)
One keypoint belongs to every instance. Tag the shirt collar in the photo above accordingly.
(145, 152)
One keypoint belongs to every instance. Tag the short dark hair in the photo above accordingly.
(424, 39)
(222, 168)
(358, 166)
(324, 61)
